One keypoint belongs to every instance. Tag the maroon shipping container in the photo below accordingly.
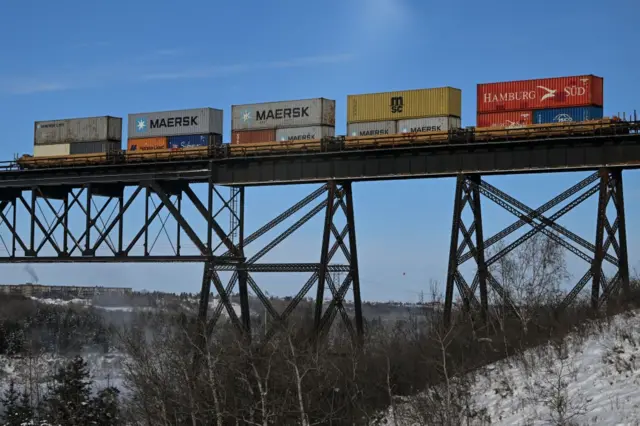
(504, 119)
(559, 92)
(253, 136)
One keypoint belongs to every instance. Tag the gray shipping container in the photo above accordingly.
(430, 124)
(372, 128)
(197, 121)
(304, 133)
(94, 147)
(88, 129)
(275, 115)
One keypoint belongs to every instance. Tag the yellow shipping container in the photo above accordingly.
(441, 101)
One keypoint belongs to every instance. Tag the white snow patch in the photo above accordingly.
(600, 377)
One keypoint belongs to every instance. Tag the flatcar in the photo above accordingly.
(604, 126)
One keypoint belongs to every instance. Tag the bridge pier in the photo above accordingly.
(607, 182)
(339, 197)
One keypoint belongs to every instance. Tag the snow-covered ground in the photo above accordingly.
(597, 378)
(85, 302)
(105, 370)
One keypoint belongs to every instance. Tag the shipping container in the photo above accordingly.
(189, 141)
(428, 124)
(275, 115)
(510, 119)
(582, 90)
(88, 129)
(94, 147)
(195, 121)
(51, 150)
(146, 144)
(304, 133)
(563, 115)
(402, 105)
(374, 128)
(253, 136)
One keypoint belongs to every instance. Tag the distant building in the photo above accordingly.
(36, 290)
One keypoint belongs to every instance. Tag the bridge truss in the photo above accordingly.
(606, 182)
(120, 213)
(114, 223)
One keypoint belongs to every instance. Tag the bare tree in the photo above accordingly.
(531, 275)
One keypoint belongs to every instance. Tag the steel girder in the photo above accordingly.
(87, 224)
(338, 198)
(606, 182)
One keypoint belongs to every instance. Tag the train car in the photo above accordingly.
(604, 126)
(30, 162)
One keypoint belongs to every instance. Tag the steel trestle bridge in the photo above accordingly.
(60, 215)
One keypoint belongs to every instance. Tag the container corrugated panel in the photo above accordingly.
(195, 121)
(510, 119)
(373, 128)
(275, 115)
(582, 90)
(189, 141)
(428, 124)
(88, 129)
(565, 115)
(51, 150)
(146, 144)
(253, 136)
(442, 101)
(93, 147)
(304, 133)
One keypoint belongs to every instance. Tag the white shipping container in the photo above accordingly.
(51, 150)
(197, 121)
(430, 124)
(372, 128)
(275, 115)
(304, 133)
(88, 129)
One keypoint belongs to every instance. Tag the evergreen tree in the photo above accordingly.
(105, 408)
(25, 410)
(68, 402)
(11, 417)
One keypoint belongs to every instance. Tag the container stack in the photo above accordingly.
(282, 121)
(152, 131)
(408, 111)
(88, 135)
(540, 101)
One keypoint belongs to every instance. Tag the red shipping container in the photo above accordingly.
(582, 90)
(253, 136)
(504, 119)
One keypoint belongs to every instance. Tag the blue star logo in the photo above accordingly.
(141, 125)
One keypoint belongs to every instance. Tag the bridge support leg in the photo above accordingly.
(467, 192)
(608, 182)
(339, 197)
(610, 193)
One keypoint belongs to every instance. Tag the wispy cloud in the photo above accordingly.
(220, 70)
(88, 44)
(100, 76)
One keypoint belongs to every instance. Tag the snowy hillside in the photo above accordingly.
(591, 380)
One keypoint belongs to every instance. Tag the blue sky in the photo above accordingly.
(75, 59)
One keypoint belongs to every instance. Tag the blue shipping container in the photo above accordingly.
(562, 115)
(189, 141)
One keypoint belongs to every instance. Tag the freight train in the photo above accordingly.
(521, 110)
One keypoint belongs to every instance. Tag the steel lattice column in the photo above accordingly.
(339, 198)
(465, 194)
(606, 182)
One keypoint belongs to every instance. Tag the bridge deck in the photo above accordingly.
(422, 161)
